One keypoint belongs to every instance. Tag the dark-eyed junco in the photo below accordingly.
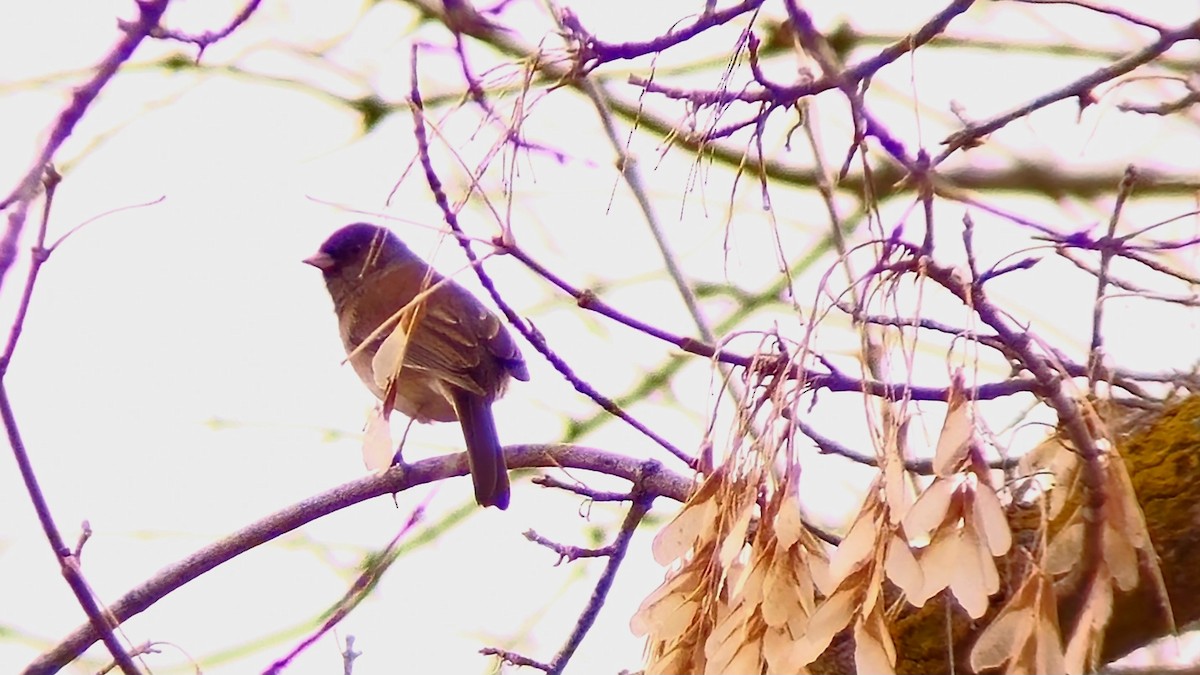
(457, 355)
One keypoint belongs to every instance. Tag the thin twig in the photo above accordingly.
(567, 553)
(208, 38)
(581, 489)
(619, 547)
(149, 13)
(631, 172)
(100, 619)
(1095, 354)
(1081, 88)
(349, 654)
(515, 658)
(523, 327)
(362, 585)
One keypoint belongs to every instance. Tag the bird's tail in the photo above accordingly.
(484, 455)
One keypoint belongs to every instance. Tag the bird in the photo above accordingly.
(457, 355)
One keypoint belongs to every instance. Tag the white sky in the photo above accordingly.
(152, 323)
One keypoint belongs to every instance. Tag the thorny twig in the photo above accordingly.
(615, 552)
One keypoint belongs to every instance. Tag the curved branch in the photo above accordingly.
(82, 98)
(647, 475)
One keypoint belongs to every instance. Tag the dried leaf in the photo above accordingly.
(1050, 659)
(1121, 557)
(683, 656)
(1024, 634)
(969, 578)
(389, 358)
(731, 647)
(1084, 646)
(829, 619)
(779, 651)
(668, 606)
(873, 651)
(735, 538)
(1001, 639)
(856, 547)
(957, 430)
(874, 586)
(930, 510)
(1128, 517)
(788, 525)
(902, 567)
(1066, 548)
(896, 484)
(1135, 530)
(377, 449)
(1054, 457)
(780, 597)
(803, 569)
(936, 561)
(678, 536)
(990, 520)
(749, 584)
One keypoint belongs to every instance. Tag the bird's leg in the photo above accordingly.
(398, 459)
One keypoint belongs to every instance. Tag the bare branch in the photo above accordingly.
(653, 479)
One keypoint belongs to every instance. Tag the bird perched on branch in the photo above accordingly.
(422, 343)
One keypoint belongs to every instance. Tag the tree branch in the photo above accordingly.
(649, 474)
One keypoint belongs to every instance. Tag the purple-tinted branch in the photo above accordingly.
(1001, 270)
(1095, 353)
(1080, 88)
(752, 43)
(987, 340)
(1068, 254)
(817, 47)
(526, 329)
(1168, 108)
(515, 659)
(568, 553)
(594, 52)
(349, 654)
(67, 560)
(1167, 245)
(149, 13)
(358, 590)
(1110, 11)
(580, 489)
(648, 475)
(477, 94)
(641, 505)
(832, 381)
(785, 96)
(38, 254)
(1121, 247)
(69, 565)
(730, 129)
(1161, 268)
(85, 533)
(208, 38)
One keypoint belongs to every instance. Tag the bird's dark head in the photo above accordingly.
(355, 250)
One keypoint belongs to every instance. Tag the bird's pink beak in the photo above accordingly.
(319, 260)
